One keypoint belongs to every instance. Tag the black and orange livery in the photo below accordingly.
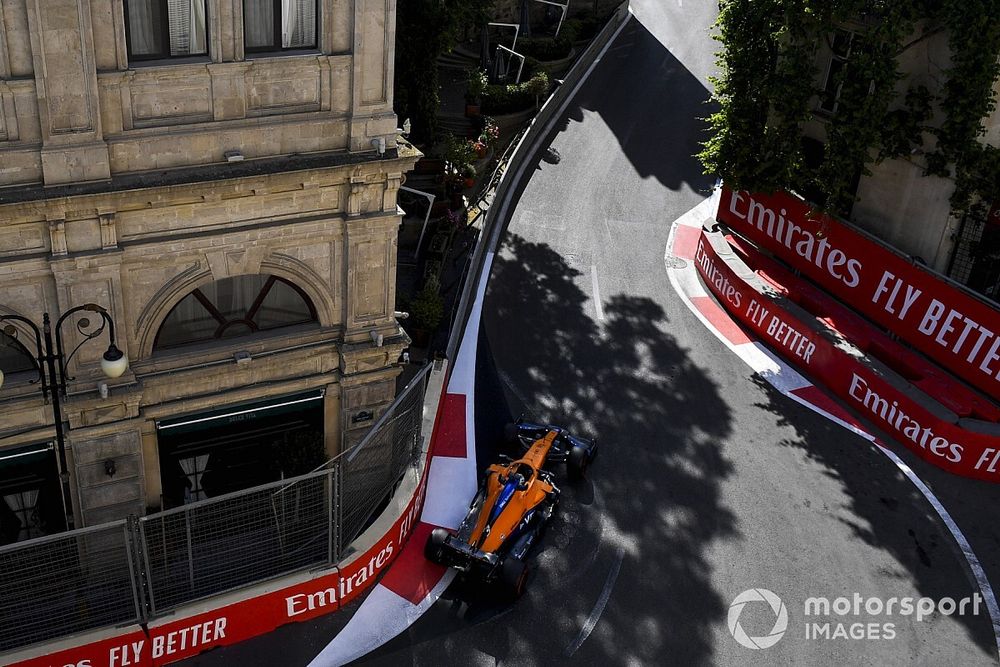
(514, 502)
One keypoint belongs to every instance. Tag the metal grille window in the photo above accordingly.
(234, 307)
(274, 25)
(165, 28)
(30, 503)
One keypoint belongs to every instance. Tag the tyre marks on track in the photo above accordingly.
(602, 602)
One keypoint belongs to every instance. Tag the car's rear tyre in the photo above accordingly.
(514, 577)
(434, 548)
(577, 462)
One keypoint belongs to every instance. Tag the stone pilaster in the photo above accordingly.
(62, 46)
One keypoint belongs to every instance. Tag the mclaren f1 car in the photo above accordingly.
(509, 512)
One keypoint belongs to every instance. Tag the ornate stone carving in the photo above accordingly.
(57, 235)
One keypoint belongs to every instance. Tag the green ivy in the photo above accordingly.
(767, 83)
(974, 37)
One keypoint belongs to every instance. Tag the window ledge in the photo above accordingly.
(264, 55)
(167, 62)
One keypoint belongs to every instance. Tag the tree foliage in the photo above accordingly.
(768, 87)
(424, 30)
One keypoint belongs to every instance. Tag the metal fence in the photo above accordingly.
(134, 570)
(67, 583)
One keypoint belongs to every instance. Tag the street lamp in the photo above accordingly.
(113, 364)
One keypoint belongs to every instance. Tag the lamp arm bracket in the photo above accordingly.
(83, 327)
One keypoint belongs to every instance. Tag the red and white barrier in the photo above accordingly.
(414, 583)
(893, 409)
(170, 641)
(959, 331)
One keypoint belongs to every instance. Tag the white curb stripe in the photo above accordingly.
(381, 617)
(448, 477)
(383, 614)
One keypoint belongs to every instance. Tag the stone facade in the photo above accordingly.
(116, 188)
(897, 202)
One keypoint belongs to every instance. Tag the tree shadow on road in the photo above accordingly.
(651, 506)
(885, 510)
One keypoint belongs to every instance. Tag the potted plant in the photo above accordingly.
(490, 132)
(468, 175)
(476, 86)
(456, 217)
(538, 85)
(426, 311)
(459, 152)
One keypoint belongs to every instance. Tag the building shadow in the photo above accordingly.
(653, 104)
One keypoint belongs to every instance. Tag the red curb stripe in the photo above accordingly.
(449, 433)
(720, 319)
(413, 577)
(686, 241)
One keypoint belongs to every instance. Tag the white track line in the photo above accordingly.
(602, 602)
(597, 294)
(784, 378)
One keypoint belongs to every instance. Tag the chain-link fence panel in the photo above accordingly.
(238, 539)
(372, 469)
(64, 584)
(129, 572)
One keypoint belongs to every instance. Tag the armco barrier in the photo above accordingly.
(893, 409)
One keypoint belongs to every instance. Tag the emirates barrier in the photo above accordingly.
(910, 417)
(133, 574)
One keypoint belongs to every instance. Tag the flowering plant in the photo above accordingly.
(491, 131)
(455, 217)
(477, 83)
(459, 152)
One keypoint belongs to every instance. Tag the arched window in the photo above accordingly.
(14, 357)
(234, 307)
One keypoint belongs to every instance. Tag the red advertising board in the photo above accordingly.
(176, 640)
(938, 441)
(958, 331)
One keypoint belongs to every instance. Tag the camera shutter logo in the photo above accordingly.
(780, 618)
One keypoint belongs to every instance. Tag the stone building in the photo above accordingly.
(898, 202)
(221, 176)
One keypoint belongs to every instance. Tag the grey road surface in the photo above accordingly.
(709, 482)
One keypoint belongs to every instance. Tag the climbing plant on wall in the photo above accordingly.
(974, 37)
(767, 88)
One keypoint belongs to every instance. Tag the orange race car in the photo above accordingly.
(515, 501)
